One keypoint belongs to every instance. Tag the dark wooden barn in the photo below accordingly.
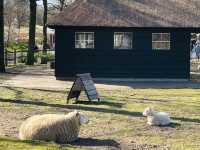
(125, 39)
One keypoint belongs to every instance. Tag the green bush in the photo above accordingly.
(18, 47)
(47, 56)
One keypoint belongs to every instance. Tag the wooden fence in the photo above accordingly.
(16, 57)
(12, 58)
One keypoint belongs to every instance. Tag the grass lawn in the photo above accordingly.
(13, 144)
(115, 123)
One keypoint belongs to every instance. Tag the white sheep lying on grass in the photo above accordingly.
(156, 118)
(53, 127)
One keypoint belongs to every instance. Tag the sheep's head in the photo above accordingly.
(148, 112)
(84, 119)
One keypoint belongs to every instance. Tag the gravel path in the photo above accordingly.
(40, 77)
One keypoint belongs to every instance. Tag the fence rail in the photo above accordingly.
(16, 57)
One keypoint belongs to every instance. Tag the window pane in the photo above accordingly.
(127, 41)
(79, 36)
(161, 45)
(89, 36)
(161, 41)
(89, 44)
(155, 45)
(118, 40)
(165, 37)
(156, 37)
(123, 40)
(80, 44)
(167, 45)
(84, 40)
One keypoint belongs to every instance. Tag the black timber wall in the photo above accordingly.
(139, 62)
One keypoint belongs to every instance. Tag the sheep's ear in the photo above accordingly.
(76, 112)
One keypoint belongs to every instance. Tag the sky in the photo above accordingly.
(49, 1)
(40, 2)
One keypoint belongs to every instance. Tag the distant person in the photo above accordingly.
(193, 43)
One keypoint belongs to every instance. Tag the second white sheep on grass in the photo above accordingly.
(53, 127)
(156, 118)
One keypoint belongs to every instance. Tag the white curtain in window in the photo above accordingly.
(84, 40)
(127, 41)
(123, 40)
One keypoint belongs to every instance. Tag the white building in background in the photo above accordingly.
(51, 38)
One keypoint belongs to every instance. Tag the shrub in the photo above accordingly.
(44, 56)
(18, 47)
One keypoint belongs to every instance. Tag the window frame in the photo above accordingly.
(114, 41)
(84, 39)
(161, 41)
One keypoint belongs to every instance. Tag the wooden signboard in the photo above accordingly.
(83, 82)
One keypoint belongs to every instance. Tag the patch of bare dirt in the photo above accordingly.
(10, 120)
(131, 144)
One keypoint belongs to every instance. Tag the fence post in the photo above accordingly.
(6, 57)
(15, 57)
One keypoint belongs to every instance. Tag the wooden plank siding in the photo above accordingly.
(139, 62)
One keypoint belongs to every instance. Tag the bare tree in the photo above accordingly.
(16, 14)
(2, 65)
(21, 12)
(32, 29)
(9, 18)
(60, 4)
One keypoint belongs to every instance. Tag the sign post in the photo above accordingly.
(83, 82)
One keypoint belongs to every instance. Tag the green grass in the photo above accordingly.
(12, 144)
(118, 116)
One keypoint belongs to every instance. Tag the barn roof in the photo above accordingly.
(130, 13)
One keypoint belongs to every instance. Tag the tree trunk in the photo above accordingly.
(32, 28)
(2, 65)
(62, 3)
(8, 35)
(45, 26)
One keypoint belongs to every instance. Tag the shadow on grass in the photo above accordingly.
(153, 84)
(95, 142)
(77, 107)
(95, 109)
(108, 103)
(18, 93)
(86, 142)
(36, 89)
(87, 108)
(186, 119)
(174, 125)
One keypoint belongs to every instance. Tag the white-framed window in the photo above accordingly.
(123, 40)
(161, 41)
(84, 40)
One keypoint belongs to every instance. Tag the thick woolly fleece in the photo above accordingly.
(156, 118)
(51, 127)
